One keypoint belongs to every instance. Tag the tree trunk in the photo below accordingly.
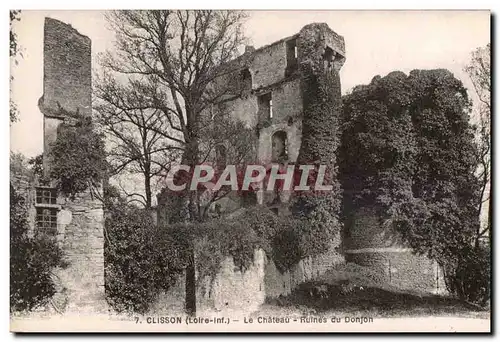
(191, 284)
(147, 187)
(191, 158)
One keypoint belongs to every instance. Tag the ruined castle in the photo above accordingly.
(269, 99)
(268, 96)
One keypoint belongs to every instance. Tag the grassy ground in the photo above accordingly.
(315, 298)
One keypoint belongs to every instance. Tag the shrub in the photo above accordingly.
(140, 260)
(468, 277)
(286, 249)
(31, 260)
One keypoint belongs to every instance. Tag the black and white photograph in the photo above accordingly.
(250, 171)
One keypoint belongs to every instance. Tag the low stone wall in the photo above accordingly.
(234, 291)
(368, 242)
(402, 269)
(81, 236)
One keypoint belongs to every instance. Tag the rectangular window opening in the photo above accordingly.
(265, 106)
(291, 56)
(46, 221)
(46, 195)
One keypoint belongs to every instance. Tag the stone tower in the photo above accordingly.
(77, 224)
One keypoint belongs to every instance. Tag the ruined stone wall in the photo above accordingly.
(67, 69)
(80, 224)
(67, 78)
(287, 117)
(234, 291)
(80, 221)
(367, 242)
(269, 64)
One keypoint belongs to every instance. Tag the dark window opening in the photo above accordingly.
(291, 56)
(279, 147)
(46, 220)
(46, 196)
(246, 80)
(266, 106)
(328, 57)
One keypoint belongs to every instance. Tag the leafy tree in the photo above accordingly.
(78, 159)
(408, 149)
(176, 57)
(20, 167)
(36, 164)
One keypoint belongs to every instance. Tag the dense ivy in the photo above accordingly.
(408, 150)
(318, 223)
(78, 158)
(237, 237)
(142, 259)
(139, 259)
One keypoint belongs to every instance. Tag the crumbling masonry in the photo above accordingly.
(78, 224)
(270, 97)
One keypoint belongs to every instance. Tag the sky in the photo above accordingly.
(377, 42)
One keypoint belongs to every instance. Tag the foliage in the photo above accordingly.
(13, 52)
(408, 150)
(176, 58)
(14, 16)
(479, 70)
(139, 259)
(318, 212)
(20, 166)
(36, 164)
(31, 260)
(142, 259)
(78, 159)
(469, 276)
